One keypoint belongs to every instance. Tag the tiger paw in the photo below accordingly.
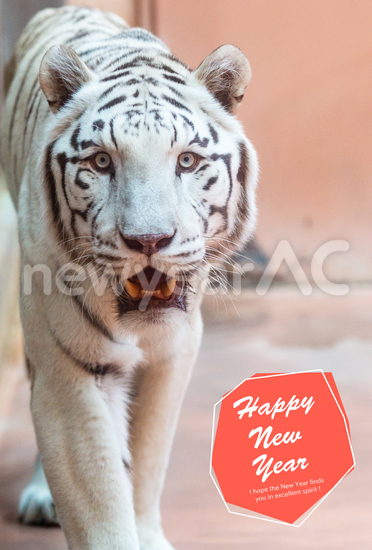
(153, 541)
(36, 506)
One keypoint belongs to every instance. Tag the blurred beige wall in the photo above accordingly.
(307, 110)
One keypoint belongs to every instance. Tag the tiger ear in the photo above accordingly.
(226, 74)
(62, 73)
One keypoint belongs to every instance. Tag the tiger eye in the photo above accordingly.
(188, 161)
(102, 161)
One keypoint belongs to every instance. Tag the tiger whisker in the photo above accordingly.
(222, 256)
(234, 253)
(211, 254)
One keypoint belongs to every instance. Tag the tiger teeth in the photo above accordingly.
(168, 287)
(150, 292)
(133, 289)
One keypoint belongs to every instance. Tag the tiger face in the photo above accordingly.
(149, 172)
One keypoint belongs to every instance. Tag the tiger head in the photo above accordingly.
(148, 170)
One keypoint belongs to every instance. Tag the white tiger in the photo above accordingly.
(138, 177)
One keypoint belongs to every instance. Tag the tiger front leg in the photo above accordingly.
(82, 457)
(160, 392)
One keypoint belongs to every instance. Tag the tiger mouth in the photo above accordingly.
(153, 288)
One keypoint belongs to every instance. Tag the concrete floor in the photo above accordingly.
(281, 332)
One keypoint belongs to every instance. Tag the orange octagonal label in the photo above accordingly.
(281, 443)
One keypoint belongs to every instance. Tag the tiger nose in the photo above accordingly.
(148, 243)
